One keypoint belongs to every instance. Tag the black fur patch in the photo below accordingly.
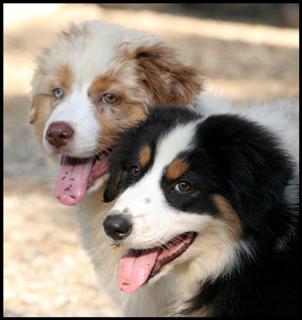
(147, 133)
(243, 162)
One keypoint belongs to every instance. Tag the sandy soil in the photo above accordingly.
(46, 272)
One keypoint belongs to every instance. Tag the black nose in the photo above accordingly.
(117, 226)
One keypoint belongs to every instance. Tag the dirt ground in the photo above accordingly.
(46, 272)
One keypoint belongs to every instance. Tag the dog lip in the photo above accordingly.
(68, 160)
(187, 236)
(187, 239)
(73, 160)
(99, 168)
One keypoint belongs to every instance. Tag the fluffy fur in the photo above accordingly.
(243, 206)
(93, 59)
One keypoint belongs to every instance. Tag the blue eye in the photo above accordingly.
(58, 92)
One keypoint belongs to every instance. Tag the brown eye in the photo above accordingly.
(135, 171)
(109, 98)
(58, 93)
(183, 186)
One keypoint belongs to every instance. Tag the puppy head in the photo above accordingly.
(96, 81)
(100, 79)
(209, 186)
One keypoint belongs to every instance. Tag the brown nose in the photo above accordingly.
(59, 133)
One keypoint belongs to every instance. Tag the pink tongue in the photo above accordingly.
(134, 271)
(72, 182)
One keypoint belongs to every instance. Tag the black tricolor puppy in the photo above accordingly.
(208, 208)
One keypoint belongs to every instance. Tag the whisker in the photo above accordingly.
(162, 244)
(103, 146)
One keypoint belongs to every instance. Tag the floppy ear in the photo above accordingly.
(114, 184)
(166, 79)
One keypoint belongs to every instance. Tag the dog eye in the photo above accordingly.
(135, 171)
(110, 98)
(183, 186)
(58, 92)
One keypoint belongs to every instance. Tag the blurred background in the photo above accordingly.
(248, 52)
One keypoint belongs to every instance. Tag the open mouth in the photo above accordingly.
(136, 267)
(76, 175)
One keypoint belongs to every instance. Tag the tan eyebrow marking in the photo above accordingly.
(65, 76)
(176, 169)
(145, 156)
